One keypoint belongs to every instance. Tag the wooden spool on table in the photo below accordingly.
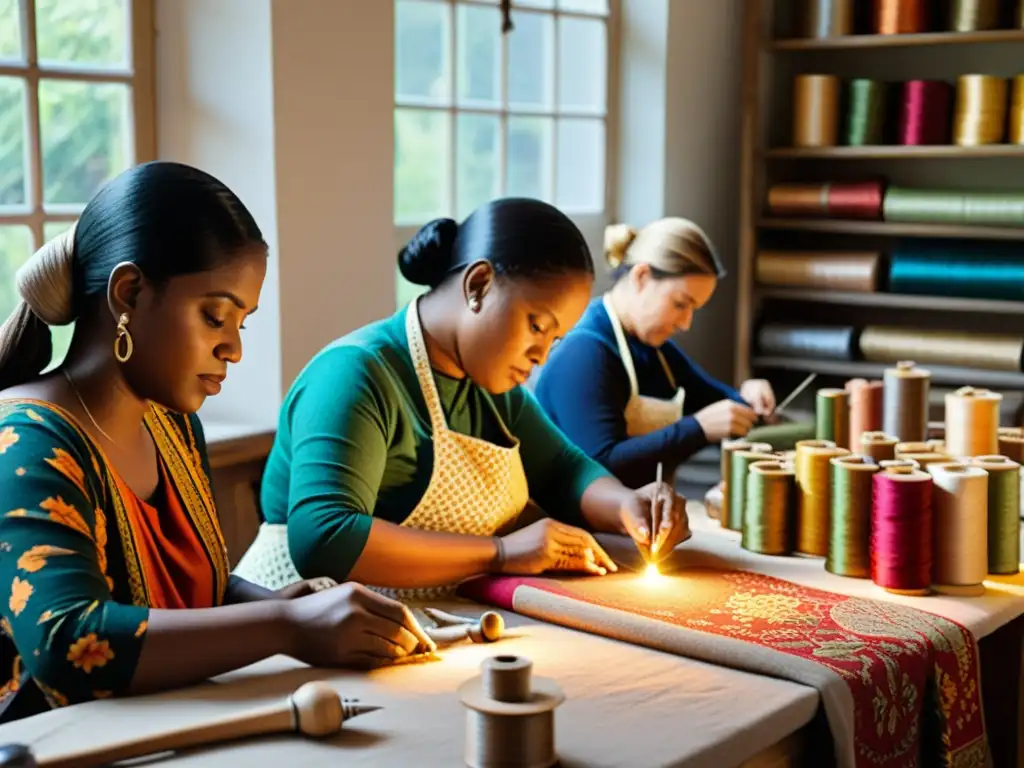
(510, 716)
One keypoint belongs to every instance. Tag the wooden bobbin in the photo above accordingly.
(510, 715)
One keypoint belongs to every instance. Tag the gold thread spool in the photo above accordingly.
(878, 445)
(796, 199)
(905, 401)
(924, 460)
(980, 117)
(815, 111)
(1011, 443)
(832, 416)
(959, 528)
(973, 15)
(814, 500)
(741, 461)
(510, 715)
(972, 422)
(1004, 499)
(1019, 18)
(770, 512)
(849, 546)
(898, 465)
(1017, 108)
(912, 447)
(828, 18)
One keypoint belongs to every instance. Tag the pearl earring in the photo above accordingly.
(474, 303)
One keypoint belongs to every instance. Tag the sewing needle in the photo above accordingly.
(656, 511)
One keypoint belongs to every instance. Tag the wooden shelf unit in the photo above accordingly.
(771, 56)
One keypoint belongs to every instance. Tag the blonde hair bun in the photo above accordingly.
(617, 239)
(44, 282)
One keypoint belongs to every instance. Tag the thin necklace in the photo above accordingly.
(85, 408)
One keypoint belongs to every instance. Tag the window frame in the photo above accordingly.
(140, 76)
(592, 223)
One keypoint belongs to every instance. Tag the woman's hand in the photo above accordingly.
(351, 626)
(725, 419)
(655, 516)
(548, 545)
(305, 587)
(760, 395)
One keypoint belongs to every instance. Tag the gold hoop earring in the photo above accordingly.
(123, 335)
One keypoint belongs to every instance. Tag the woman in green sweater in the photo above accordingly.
(408, 449)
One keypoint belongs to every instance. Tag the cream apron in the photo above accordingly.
(475, 487)
(644, 414)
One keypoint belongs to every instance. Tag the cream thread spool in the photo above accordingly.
(510, 715)
(899, 464)
(902, 449)
(972, 422)
(959, 528)
(905, 401)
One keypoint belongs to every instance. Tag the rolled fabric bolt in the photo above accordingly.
(489, 628)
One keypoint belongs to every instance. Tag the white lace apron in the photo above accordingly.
(475, 487)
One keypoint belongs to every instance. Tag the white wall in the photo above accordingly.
(290, 103)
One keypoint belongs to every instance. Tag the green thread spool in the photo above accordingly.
(814, 497)
(878, 445)
(1003, 513)
(769, 516)
(832, 416)
(865, 116)
(849, 544)
(941, 206)
(741, 461)
(729, 447)
(783, 436)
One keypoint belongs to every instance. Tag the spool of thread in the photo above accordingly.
(899, 464)
(1002, 208)
(865, 113)
(990, 351)
(960, 528)
(833, 270)
(832, 416)
(741, 461)
(819, 341)
(1019, 17)
(970, 271)
(729, 447)
(510, 718)
(980, 116)
(904, 449)
(856, 200)
(814, 497)
(901, 531)
(937, 446)
(815, 111)
(793, 199)
(924, 460)
(905, 401)
(878, 445)
(1004, 479)
(770, 514)
(972, 422)
(900, 17)
(849, 544)
(828, 18)
(1017, 108)
(973, 15)
(866, 398)
(924, 112)
(1011, 443)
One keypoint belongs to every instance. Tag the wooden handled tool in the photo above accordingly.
(488, 628)
(315, 709)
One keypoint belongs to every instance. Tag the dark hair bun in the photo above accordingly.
(427, 258)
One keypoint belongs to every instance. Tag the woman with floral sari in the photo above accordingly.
(113, 569)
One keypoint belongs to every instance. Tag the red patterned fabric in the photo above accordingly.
(913, 676)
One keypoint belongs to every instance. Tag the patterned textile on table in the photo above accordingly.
(900, 687)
